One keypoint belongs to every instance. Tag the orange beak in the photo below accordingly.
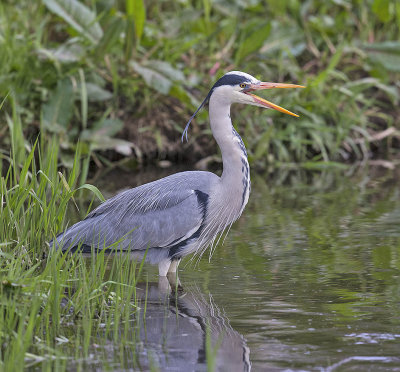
(263, 102)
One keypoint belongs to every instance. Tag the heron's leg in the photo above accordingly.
(163, 267)
(164, 286)
(174, 282)
(174, 265)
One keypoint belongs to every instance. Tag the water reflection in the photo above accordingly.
(317, 264)
(309, 275)
(176, 326)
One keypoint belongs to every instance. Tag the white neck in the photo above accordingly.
(236, 174)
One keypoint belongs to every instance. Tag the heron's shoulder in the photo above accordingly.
(192, 179)
(179, 183)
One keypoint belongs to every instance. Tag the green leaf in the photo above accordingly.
(106, 143)
(253, 42)
(65, 53)
(4, 99)
(320, 79)
(386, 54)
(112, 33)
(382, 9)
(166, 69)
(78, 16)
(99, 137)
(103, 128)
(84, 98)
(263, 143)
(179, 92)
(361, 85)
(392, 47)
(96, 93)
(136, 10)
(161, 76)
(129, 38)
(94, 190)
(153, 78)
(57, 112)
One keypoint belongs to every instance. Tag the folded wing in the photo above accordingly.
(159, 214)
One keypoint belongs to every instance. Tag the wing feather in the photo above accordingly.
(156, 214)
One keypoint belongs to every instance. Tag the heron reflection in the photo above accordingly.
(176, 326)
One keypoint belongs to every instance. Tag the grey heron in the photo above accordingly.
(184, 213)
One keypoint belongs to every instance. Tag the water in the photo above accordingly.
(307, 280)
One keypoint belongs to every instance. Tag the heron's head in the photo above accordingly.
(237, 87)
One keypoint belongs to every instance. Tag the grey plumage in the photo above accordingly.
(183, 213)
(157, 216)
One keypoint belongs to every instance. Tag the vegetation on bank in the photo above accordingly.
(56, 309)
(122, 77)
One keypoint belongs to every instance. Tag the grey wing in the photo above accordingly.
(158, 214)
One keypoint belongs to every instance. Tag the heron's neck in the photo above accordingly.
(234, 155)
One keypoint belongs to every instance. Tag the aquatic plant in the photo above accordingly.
(56, 309)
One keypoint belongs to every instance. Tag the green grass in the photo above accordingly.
(123, 78)
(57, 309)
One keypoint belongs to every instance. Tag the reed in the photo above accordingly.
(57, 309)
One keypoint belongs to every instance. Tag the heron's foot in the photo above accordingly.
(175, 283)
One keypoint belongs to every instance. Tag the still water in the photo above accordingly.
(307, 280)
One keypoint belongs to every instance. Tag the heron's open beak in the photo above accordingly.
(263, 102)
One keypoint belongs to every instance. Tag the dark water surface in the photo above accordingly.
(307, 280)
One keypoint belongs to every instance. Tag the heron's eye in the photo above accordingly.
(243, 85)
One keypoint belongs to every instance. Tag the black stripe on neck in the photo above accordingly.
(241, 144)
